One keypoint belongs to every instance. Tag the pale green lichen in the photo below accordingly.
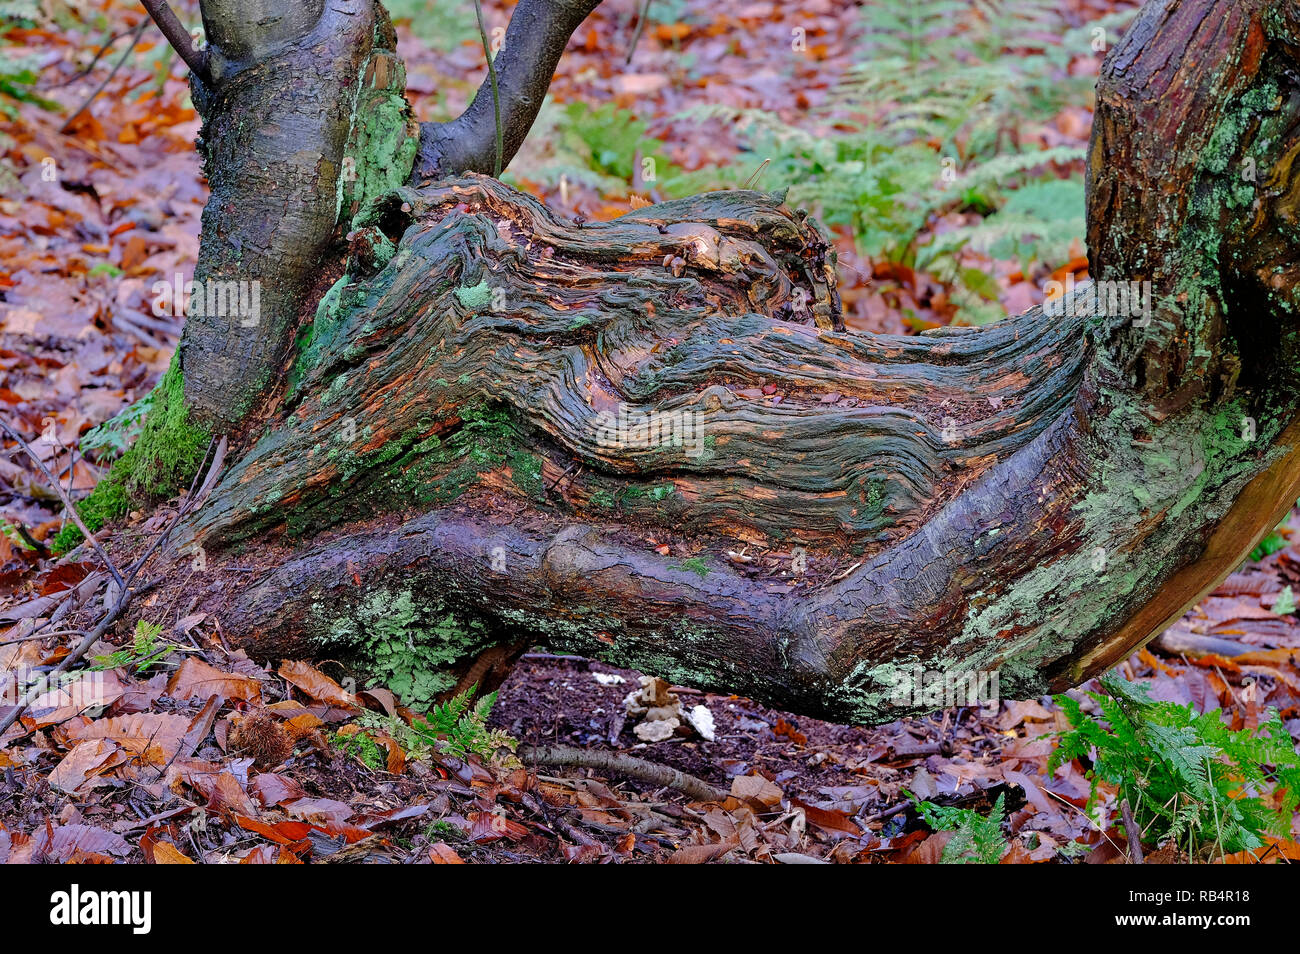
(1145, 471)
(474, 297)
(383, 138)
(1199, 460)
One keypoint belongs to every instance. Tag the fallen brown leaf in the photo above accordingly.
(165, 853)
(316, 684)
(150, 736)
(85, 765)
(440, 853)
(196, 679)
(699, 854)
(757, 789)
(61, 844)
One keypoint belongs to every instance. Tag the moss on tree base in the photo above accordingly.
(166, 456)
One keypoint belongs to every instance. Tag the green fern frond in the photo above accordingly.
(928, 123)
(976, 839)
(459, 727)
(1189, 778)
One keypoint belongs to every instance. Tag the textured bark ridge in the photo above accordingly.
(563, 332)
(492, 410)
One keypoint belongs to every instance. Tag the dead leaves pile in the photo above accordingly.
(215, 759)
(178, 767)
(90, 218)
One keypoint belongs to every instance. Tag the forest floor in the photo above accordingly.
(176, 749)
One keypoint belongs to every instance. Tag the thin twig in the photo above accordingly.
(178, 37)
(749, 183)
(30, 540)
(170, 328)
(123, 600)
(69, 599)
(182, 510)
(67, 502)
(94, 60)
(882, 815)
(568, 470)
(124, 593)
(1132, 832)
(496, 93)
(119, 607)
(640, 26)
(135, 38)
(121, 323)
(1069, 804)
(218, 458)
(40, 635)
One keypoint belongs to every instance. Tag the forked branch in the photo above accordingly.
(538, 32)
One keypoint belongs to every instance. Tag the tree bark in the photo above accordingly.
(445, 454)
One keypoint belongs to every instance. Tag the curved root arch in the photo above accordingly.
(501, 408)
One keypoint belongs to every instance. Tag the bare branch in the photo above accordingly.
(492, 77)
(124, 592)
(178, 37)
(538, 32)
(67, 502)
(135, 39)
(642, 16)
(639, 769)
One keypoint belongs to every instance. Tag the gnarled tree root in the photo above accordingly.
(498, 421)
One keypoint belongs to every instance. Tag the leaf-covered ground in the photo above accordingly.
(173, 749)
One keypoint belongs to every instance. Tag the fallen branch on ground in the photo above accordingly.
(639, 769)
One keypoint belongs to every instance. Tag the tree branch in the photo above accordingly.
(67, 502)
(538, 32)
(492, 77)
(135, 39)
(178, 37)
(617, 762)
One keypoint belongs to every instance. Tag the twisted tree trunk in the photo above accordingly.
(462, 426)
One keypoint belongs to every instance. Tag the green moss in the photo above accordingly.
(383, 139)
(66, 539)
(526, 470)
(604, 499)
(695, 565)
(170, 449)
(363, 748)
(162, 461)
